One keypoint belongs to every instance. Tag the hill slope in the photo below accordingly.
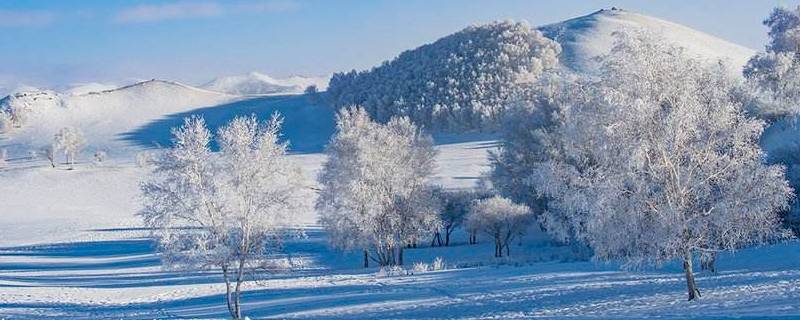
(589, 36)
(101, 115)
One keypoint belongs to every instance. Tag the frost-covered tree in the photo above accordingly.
(658, 161)
(774, 75)
(49, 152)
(528, 119)
(227, 211)
(3, 157)
(6, 122)
(461, 81)
(501, 219)
(69, 140)
(374, 193)
(454, 209)
(774, 79)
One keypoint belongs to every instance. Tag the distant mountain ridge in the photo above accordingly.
(255, 83)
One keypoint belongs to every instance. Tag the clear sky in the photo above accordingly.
(55, 43)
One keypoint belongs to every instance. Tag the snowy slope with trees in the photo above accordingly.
(447, 230)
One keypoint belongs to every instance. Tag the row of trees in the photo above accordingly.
(233, 209)
(375, 197)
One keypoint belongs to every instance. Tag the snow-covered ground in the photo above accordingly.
(72, 247)
(122, 279)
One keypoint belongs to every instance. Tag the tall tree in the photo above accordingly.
(375, 194)
(774, 74)
(657, 161)
(773, 77)
(226, 211)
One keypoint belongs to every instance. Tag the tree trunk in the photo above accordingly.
(228, 291)
(366, 259)
(707, 262)
(447, 237)
(691, 286)
(400, 256)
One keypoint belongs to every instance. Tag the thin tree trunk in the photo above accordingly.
(447, 237)
(228, 296)
(366, 259)
(691, 285)
(400, 256)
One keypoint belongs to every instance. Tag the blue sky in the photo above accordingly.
(55, 43)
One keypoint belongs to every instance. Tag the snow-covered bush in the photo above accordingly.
(229, 210)
(100, 156)
(374, 193)
(656, 160)
(33, 154)
(461, 81)
(420, 267)
(70, 140)
(438, 264)
(392, 271)
(501, 219)
(144, 158)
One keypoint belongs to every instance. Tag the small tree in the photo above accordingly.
(100, 156)
(6, 122)
(312, 94)
(70, 140)
(49, 153)
(455, 207)
(501, 219)
(228, 210)
(3, 157)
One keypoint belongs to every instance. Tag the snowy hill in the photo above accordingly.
(589, 36)
(101, 115)
(255, 83)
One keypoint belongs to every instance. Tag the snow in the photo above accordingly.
(71, 246)
(589, 36)
(89, 87)
(255, 83)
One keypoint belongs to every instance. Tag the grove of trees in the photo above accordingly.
(463, 81)
(653, 160)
